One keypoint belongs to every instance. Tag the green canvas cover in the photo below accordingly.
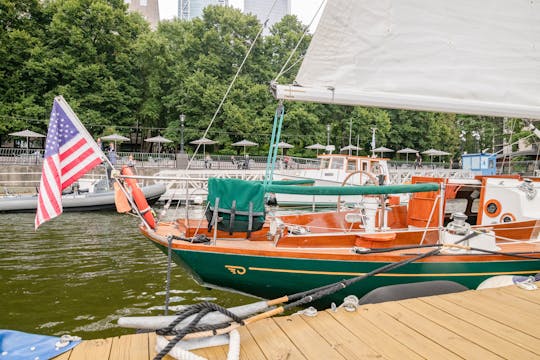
(240, 204)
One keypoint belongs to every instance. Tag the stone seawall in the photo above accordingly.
(25, 178)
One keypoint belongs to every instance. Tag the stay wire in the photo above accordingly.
(233, 81)
(282, 71)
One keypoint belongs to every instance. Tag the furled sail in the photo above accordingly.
(461, 56)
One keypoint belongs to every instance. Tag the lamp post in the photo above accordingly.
(373, 144)
(182, 120)
(476, 135)
(327, 134)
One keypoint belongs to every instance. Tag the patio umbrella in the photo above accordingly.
(114, 137)
(203, 141)
(27, 134)
(245, 143)
(434, 152)
(159, 140)
(317, 147)
(407, 151)
(350, 148)
(283, 145)
(382, 149)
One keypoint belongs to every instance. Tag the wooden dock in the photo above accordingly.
(486, 324)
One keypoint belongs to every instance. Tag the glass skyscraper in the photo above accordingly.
(189, 9)
(260, 9)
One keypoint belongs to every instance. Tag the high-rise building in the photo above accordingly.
(148, 8)
(189, 9)
(260, 9)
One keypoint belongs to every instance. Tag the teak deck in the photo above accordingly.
(485, 324)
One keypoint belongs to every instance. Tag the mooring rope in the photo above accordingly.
(200, 310)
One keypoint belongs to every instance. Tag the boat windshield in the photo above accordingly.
(337, 163)
(324, 163)
(351, 164)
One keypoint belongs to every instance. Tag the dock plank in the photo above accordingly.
(308, 341)
(485, 339)
(357, 323)
(406, 329)
(454, 342)
(130, 347)
(273, 342)
(92, 350)
(528, 295)
(483, 322)
(500, 309)
(349, 345)
(249, 349)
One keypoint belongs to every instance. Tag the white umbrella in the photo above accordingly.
(159, 140)
(382, 150)
(203, 141)
(434, 152)
(350, 148)
(27, 134)
(245, 143)
(283, 145)
(407, 151)
(114, 137)
(317, 147)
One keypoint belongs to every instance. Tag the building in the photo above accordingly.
(148, 8)
(260, 9)
(189, 9)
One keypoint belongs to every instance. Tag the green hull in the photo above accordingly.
(272, 277)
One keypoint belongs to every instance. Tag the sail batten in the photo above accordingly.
(479, 57)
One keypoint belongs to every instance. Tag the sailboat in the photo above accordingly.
(478, 57)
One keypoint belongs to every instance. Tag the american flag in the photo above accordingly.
(70, 152)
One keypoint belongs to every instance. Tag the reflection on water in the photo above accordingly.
(81, 271)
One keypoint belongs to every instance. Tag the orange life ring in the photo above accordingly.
(139, 198)
(492, 208)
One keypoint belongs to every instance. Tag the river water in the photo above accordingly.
(80, 272)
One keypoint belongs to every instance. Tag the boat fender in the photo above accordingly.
(181, 350)
(139, 198)
(411, 290)
(507, 280)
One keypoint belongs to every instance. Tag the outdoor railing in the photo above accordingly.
(17, 156)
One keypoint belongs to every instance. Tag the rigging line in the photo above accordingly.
(233, 81)
(298, 44)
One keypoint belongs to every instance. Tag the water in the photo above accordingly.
(82, 271)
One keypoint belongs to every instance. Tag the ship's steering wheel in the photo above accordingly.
(371, 177)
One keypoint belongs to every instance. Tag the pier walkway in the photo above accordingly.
(477, 324)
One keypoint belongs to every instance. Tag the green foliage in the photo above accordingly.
(121, 77)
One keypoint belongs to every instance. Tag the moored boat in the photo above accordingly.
(297, 252)
(76, 200)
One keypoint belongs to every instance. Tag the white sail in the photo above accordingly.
(462, 56)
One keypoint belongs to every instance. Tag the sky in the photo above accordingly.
(304, 9)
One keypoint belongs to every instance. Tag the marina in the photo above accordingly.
(408, 259)
(489, 324)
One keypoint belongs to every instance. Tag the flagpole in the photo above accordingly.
(78, 124)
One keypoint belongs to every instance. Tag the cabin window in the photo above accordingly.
(337, 163)
(325, 163)
(364, 166)
(474, 206)
(351, 165)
